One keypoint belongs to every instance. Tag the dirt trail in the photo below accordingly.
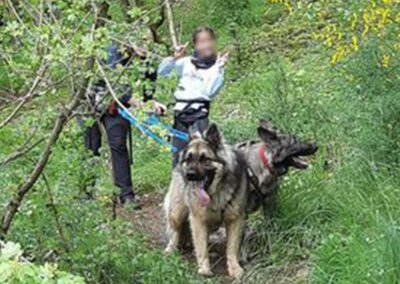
(150, 221)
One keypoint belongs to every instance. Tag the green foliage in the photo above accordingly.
(337, 222)
(13, 270)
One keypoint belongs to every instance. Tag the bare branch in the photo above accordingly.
(30, 94)
(110, 88)
(171, 25)
(14, 11)
(54, 208)
(20, 152)
(157, 24)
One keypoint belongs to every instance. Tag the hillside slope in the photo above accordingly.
(337, 222)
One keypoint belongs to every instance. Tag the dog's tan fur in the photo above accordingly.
(228, 193)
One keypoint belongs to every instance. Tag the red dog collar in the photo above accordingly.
(265, 160)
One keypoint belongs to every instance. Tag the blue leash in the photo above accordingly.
(153, 121)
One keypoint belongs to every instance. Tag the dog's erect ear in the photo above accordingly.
(266, 131)
(213, 136)
(266, 124)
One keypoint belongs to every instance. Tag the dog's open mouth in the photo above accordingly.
(201, 193)
(299, 163)
(201, 183)
(201, 186)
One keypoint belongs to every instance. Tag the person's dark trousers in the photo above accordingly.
(185, 123)
(93, 139)
(92, 143)
(117, 130)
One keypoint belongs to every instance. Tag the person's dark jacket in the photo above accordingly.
(115, 58)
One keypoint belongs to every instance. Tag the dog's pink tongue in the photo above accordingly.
(202, 196)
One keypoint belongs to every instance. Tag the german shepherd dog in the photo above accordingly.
(270, 159)
(210, 187)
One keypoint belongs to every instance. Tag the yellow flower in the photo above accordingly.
(288, 6)
(337, 55)
(318, 36)
(366, 30)
(334, 58)
(104, 199)
(385, 61)
(355, 43)
(354, 22)
(328, 42)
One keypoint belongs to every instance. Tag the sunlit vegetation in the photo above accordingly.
(324, 70)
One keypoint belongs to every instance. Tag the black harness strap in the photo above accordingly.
(253, 179)
(130, 144)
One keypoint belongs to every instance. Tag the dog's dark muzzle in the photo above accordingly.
(296, 158)
(194, 175)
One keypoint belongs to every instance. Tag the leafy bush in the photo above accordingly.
(15, 270)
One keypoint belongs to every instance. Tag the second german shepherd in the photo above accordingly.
(210, 186)
(268, 160)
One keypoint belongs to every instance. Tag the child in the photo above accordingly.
(201, 77)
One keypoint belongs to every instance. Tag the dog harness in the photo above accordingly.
(266, 158)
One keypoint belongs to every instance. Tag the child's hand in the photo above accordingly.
(180, 51)
(135, 103)
(142, 52)
(159, 108)
(223, 60)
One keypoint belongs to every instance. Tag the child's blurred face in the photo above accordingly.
(206, 45)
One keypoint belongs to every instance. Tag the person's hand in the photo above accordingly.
(135, 103)
(159, 108)
(142, 52)
(180, 51)
(223, 60)
(136, 50)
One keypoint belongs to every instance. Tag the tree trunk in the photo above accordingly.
(25, 187)
(171, 25)
(59, 124)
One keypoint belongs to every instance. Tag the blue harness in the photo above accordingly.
(154, 121)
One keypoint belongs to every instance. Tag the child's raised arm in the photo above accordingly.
(168, 65)
(172, 63)
(216, 82)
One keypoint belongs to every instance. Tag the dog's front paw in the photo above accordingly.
(205, 271)
(236, 272)
(170, 248)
